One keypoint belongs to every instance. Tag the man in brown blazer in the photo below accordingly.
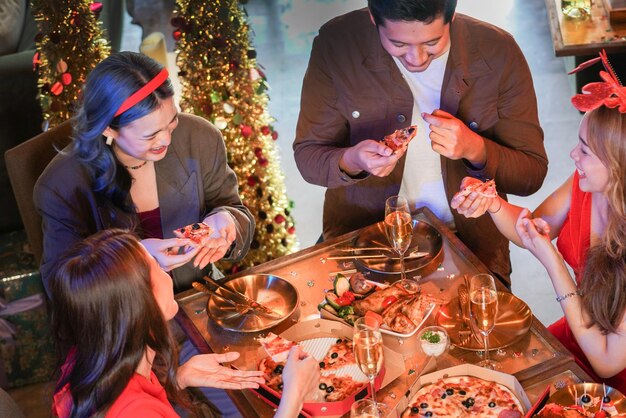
(463, 82)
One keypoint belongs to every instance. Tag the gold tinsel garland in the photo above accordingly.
(69, 44)
(221, 82)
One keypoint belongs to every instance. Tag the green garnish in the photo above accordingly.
(431, 337)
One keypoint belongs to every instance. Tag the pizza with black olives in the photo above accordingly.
(464, 396)
(339, 354)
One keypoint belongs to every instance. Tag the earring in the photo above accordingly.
(109, 140)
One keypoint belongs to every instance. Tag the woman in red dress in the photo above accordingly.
(111, 303)
(588, 215)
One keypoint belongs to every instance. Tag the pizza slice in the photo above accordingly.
(196, 232)
(486, 189)
(276, 346)
(339, 354)
(400, 138)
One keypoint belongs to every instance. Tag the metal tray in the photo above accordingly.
(425, 239)
(272, 291)
(512, 323)
(571, 396)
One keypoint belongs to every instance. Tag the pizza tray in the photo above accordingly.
(512, 323)
(571, 395)
(426, 239)
(272, 291)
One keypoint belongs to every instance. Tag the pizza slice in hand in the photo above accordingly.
(400, 138)
(196, 232)
(486, 189)
(276, 346)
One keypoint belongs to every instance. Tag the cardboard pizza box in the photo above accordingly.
(319, 328)
(541, 402)
(469, 370)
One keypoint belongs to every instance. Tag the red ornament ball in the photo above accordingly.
(57, 88)
(246, 131)
(252, 180)
(274, 135)
(176, 35)
(279, 219)
(95, 7)
(263, 162)
(258, 152)
(66, 78)
(265, 130)
(291, 229)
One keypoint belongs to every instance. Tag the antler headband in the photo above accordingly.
(609, 92)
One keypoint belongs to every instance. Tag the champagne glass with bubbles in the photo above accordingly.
(483, 310)
(368, 350)
(398, 227)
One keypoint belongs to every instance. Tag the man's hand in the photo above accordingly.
(371, 156)
(452, 139)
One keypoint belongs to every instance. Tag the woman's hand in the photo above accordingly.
(474, 204)
(215, 247)
(535, 235)
(301, 376)
(205, 370)
(170, 253)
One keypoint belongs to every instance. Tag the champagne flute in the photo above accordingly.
(483, 310)
(366, 408)
(368, 350)
(398, 227)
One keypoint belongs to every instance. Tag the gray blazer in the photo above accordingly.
(193, 180)
(353, 91)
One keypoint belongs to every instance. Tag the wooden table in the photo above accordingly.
(537, 360)
(580, 40)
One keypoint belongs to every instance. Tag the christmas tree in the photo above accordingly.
(221, 82)
(69, 44)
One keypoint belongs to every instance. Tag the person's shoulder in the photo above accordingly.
(348, 28)
(62, 171)
(481, 31)
(141, 397)
(193, 125)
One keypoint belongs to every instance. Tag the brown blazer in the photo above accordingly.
(353, 91)
(193, 180)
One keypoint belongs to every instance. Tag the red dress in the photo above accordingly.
(142, 397)
(573, 243)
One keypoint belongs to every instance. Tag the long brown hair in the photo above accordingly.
(604, 279)
(103, 309)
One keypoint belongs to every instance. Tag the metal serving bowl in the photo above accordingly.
(268, 290)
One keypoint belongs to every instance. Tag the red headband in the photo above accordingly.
(609, 92)
(143, 92)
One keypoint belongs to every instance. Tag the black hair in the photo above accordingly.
(410, 10)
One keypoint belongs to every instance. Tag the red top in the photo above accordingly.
(150, 222)
(575, 235)
(573, 243)
(141, 398)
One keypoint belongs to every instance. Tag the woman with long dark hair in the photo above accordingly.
(136, 162)
(588, 215)
(110, 305)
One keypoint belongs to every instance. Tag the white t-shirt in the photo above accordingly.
(422, 181)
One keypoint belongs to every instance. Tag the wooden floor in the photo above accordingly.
(284, 30)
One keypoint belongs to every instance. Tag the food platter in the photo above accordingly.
(571, 396)
(271, 291)
(425, 239)
(512, 323)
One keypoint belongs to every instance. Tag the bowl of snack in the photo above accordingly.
(434, 340)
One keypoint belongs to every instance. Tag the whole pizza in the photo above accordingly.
(464, 396)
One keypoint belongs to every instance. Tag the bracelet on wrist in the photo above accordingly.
(497, 210)
(568, 295)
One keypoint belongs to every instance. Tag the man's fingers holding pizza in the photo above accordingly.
(170, 253)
